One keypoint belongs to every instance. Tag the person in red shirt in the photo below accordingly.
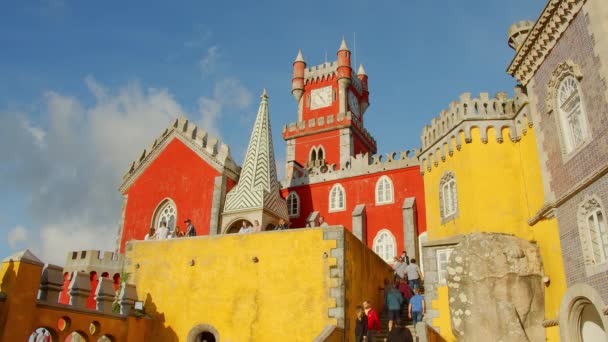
(372, 320)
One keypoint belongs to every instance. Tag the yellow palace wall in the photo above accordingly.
(499, 188)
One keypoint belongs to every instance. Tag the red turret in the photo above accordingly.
(362, 76)
(297, 83)
(344, 70)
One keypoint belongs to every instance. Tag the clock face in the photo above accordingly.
(353, 103)
(320, 97)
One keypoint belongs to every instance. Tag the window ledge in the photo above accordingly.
(592, 270)
(567, 156)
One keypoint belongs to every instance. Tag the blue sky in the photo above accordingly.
(85, 86)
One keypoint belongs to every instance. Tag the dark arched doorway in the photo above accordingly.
(203, 333)
(205, 336)
(236, 226)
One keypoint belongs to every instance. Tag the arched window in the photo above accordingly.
(571, 114)
(320, 153)
(593, 233)
(165, 212)
(293, 204)
(313, 154)
(385, 245)
(337, 198)
(384, 190)
(448, 197)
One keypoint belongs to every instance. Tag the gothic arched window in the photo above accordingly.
(165, 212)
(384, 190)
(448, 197)
(293, 204)
(385, 245)
(571, 114)
(593, 233)
(320, 153)
(337, 198)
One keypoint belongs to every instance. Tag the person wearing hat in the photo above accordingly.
(190, 230)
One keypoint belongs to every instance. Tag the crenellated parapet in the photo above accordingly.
(320, 72)
(94, 260)
(360, 164)
(443, 135)
(340, 120)
(207, 146)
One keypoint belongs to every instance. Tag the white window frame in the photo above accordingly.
(448, 197)
(334, 198)
(593, 235)
(569, 108)
(158, 214)
(387, 250)
(290, 197)
(442, 265)
(384, 193)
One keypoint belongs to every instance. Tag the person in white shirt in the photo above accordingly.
(162, 232)
(414, 276)
(150, 235)
(256, 227)
(245, 228)
(322, 222)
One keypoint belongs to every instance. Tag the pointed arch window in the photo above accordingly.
(448, 197)
(337, 198)
(293, 204)
(385, 245)
(572, 115)
(313, 154)
(320, 153)
(166, 212)
(593, 233)
(384, 190)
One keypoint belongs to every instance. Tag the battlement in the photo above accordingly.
(94, 260)
(330, 121)
(360, 164)
(476, 109)
(320, 71)
(482, 113)
(518, 32)
(216, 152)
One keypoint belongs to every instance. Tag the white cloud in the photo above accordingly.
(209, 62)
(228, 93)
(16, 235)
(98, 237)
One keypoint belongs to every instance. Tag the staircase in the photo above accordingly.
(384, 326)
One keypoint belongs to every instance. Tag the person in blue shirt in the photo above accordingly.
(416, 309)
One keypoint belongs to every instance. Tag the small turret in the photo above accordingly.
(362, 76)
(344, 70)
(297, 82)
(518, 32)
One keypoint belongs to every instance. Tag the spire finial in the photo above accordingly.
(343, 45)
(300, 58)
(264, 95)
(361, 70)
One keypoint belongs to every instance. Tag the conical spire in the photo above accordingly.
(361, 70)
(258, 186)
(343, 45)
(300, 58)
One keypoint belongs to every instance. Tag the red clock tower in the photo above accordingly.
(331, 104)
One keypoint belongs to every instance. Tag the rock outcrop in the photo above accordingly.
(495, 289)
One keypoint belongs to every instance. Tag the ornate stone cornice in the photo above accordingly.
(552, 22)
(567, 68)
(206, 146)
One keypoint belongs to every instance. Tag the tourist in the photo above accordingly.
(33, 337)
(373, 322)
(414, 276)
(256, 227)
(162, 232)
(405, 258)
(399, 333)
(394, 299)
(150, 235)
(405, 290)
(360, 325)
(322, 222)
(245, 228)
(190, 230)
(399, 268)
(282, 225)
(417, 308)
(178, 232)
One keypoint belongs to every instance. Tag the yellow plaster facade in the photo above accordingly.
(499, 189)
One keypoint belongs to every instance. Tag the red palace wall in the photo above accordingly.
(307, 113)
(177, 173)
(330, 141)
(407, 182)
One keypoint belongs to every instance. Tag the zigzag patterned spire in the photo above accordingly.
(258, 186)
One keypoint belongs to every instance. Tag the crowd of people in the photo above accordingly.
(401, 297)
(164, 233)
(41, 335)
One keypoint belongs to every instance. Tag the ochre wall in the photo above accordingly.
(407, 182)
(283, 297)
(177, 173)
(499, 188)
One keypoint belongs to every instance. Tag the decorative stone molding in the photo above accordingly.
(550, 323)
(360, 222)
(448, 176)
(552, 22)
(201, 328)
(360, 164)
(410, 228)
(51, 283)
(105, 295)
(567, 68)
(443, 135)
(336, 274)
(79, 289)
(578, 297)
(320, 72)
(585, 208)
(206, 146)
(126, 298)
(518, 32)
